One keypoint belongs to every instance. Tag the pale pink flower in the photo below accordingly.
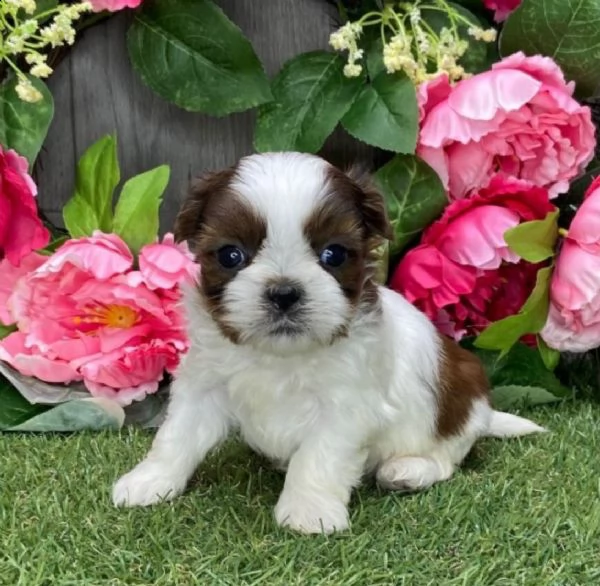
(519, 119)
(83, 314)
(574, 317)
(165, 264)
(102, 255)
(9, 275)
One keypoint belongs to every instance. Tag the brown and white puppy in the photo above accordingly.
(293, 343)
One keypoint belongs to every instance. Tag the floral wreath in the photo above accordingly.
(485, 110)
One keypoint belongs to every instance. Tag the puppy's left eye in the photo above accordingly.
(333, 256)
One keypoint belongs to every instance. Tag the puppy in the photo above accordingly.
(293, 343)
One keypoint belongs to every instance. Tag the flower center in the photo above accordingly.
(111, 316)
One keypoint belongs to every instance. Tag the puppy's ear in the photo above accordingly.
(190, 217)
(371, 204)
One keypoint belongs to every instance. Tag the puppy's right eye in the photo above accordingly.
(230, 257)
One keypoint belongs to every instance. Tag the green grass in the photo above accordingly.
(520, 512)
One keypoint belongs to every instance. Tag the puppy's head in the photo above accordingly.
(285, 244)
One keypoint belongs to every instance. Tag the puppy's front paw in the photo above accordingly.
(148, 483)
(322, 514)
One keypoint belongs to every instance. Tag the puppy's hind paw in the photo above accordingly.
(148, 483)
(408, 474)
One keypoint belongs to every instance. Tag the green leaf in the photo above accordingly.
(521, 365)
(136, 215)
(549, 356)
(566, 30)
(191, 54)
(79, 415)
(5, 330)
(97, 176)
(414, 196)
(479, 55)
(79, 217)
(53, 246)
(14, 409)
(506, 332)
(534, 241)
(512, 396)
(385, 114)
(150, 412)
(311, 95)
(23, 126)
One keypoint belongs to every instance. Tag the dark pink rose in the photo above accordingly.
(21, 229)
(463, 275)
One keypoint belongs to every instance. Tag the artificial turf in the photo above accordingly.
(521, 511)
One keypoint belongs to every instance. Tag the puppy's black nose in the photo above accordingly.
(284, 297)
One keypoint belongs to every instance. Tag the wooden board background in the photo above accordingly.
(97, 92)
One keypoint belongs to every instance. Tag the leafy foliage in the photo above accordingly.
(135, 218)
(385, 112)
(521, 366)
(191, 54)
(311, 94)
(565, 31)
(14, 408)
(98, 175)
(414, 196)
(136, 214)
(23, 126)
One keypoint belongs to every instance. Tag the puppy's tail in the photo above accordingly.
(508, 425)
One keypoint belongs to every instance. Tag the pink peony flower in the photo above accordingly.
(102, 255)
(113, 5)
(574, 317)
(163, 265)
(21, 229)
(502, 8)
(10, 274)
(463, 275)
(517, 119)
(84, 314)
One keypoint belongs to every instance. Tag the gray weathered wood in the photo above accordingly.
(97, 92)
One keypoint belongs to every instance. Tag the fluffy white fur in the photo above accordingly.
(329, 412)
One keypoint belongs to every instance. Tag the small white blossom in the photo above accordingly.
(344, 39)
(33, 58)
(352, 69)
(414, 16)
(14, 44)
(27, 92)
(487, 36)
(28, 6)
(41, 70)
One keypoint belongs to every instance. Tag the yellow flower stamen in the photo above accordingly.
(109, 316)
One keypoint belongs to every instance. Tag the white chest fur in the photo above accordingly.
(275, 409)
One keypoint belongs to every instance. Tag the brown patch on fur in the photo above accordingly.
(462, 381)
(354, 216)
(214, 216)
